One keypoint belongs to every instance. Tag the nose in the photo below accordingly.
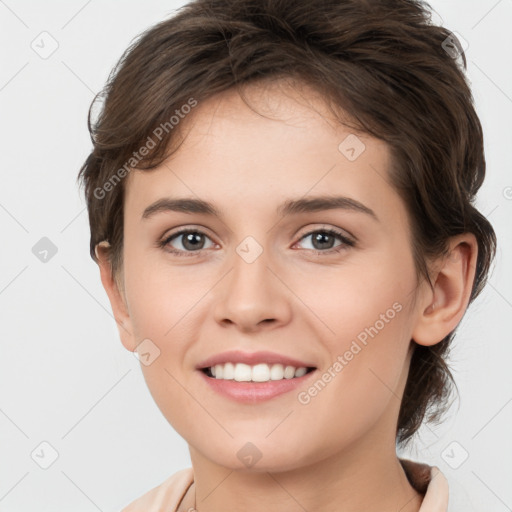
(253, 296)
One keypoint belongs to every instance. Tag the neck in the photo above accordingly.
(341, 483)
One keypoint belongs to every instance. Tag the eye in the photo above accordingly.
(190, 240)
(322, 240)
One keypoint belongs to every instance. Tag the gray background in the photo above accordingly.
(65, 378)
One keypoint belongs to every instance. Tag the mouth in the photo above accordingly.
(250, 377)
(258, 373)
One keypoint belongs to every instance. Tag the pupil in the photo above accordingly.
(320, 237)
(189, 239)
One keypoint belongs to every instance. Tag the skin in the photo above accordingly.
(338, 451)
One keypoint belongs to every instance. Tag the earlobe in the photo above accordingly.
(441, 309)
(117, 301)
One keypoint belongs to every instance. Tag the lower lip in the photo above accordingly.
(254, 392)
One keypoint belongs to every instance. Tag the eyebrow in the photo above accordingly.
(289, 207)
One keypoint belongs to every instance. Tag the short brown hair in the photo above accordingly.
(397, 76)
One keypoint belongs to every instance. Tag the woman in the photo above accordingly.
(280, 197)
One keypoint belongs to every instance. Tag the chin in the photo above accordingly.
(259, 456)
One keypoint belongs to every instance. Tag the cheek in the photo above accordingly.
(158, 297)
(360, 301)
(161, 304)
(364, 328)
(359, 388)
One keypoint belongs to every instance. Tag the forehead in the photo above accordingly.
(285, 143)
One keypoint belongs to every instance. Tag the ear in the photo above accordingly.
(116, 298)
(441, 309)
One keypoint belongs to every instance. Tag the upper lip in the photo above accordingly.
(252, 358)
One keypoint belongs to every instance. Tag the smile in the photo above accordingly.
(261, 372)
(251, 377)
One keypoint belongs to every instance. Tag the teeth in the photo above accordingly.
(289, 372)
(276, 372)
(219, 371)
(262, 372)
(259, 373)
(299, 372)
(242, 373)
(229, 371)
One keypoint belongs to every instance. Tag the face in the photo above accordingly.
(329, 286)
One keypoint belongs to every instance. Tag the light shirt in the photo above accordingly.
(427, 480)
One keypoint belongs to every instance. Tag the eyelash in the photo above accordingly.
(346, 242)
